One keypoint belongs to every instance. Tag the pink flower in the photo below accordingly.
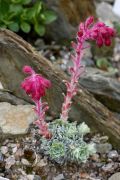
(35, 85)
(98, 32)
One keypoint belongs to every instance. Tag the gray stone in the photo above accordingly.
(105, 12)
(6, 96)
(33, 177)
(115, 176)
(10, 161)
(59, 177)
(103, 148)
(113, 154)
(108, 167)
(105, 88)
(4, 149)
(15, 120)
(36, 177)
(2, 178)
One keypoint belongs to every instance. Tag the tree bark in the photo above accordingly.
(15, 53)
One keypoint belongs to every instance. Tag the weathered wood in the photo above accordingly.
(15, 53)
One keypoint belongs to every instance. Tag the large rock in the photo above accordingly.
(69, 14)
(15, 120)
(105, 12)
(105, 88)
(115, 176)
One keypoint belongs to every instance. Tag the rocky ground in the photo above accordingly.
(19, 160)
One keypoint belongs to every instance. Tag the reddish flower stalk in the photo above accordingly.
(99, 33)
(35, 86)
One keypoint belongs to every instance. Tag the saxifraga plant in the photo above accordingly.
(25, 15)
(61, 140)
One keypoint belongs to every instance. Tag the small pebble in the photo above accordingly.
(25, 162)
(103, 148)
(33, 177)
(9, 162)
(42, 163)
(59, 177)
(4, 149)
(14, 149)
(113, 154)
(95, 157)
(108, 167)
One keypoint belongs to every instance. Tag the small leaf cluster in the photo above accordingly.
(67, 142)
(25, 15)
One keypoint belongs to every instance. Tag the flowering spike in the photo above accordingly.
(35, 86)
(102, 35)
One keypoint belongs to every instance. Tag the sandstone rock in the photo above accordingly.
(15, 120)
(105, 88)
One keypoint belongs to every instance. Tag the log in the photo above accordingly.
(15, 53)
